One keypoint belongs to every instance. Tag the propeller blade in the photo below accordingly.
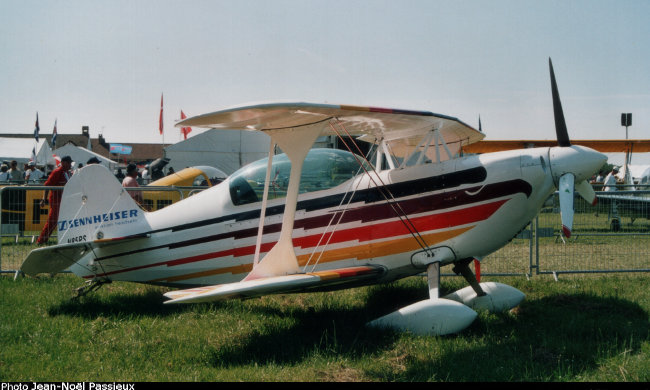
(587, 192)
(566, 189)
(560, 123)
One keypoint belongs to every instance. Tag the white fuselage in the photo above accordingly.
(469, 206)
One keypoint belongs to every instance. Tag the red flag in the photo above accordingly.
(185, 130)
(160, 122)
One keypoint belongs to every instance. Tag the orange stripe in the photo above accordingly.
(380, 249)
(362, 252)
(326, 275)
(237, 269)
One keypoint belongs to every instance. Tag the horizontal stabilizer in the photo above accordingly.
(54, 258)
(274, 285)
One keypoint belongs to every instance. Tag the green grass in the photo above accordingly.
(581, 328)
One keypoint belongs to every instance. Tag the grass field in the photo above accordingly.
(580, 328)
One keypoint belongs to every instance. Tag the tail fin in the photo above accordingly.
(95, 206)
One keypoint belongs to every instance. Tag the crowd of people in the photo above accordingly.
(9, 172)
(36, 174)
(58, 176)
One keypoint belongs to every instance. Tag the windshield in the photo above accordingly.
(322, 169)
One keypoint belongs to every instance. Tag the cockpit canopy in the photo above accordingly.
(322, 169)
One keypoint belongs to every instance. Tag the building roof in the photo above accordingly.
(140, 151)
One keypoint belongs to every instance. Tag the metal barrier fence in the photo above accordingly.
(613, 236)
(22, 218)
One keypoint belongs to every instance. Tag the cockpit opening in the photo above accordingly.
(322, 169)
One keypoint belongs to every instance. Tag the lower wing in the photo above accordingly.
(276, 285)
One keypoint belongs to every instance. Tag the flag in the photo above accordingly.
(54, 135)
(120, 149)
(185, 130)
(33, 157)
(160, 121)
(37, 129)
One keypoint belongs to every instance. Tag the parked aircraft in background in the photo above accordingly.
(199, 176)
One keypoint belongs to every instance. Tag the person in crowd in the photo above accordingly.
(33, 174)
(145, 174)
(4, 173)
(610, 180)
(92, 160)
(131, 181)
(15, 174)
(58, 177)
(120, 175)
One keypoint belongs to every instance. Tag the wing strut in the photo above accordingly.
(281, 259)
(265, 197)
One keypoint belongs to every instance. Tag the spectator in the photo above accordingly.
(33, 174)
(610, 180)
(145, 174)
(119, 175)
(4, 173)
(58, 177)
(15, 174)
(131, 181)
(92, 160)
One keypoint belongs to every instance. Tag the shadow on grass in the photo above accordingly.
(547, 339)
(320, 333)
(147, 304)
(552, 338)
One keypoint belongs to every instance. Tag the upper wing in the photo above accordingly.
(370, 122)
(276, 285)
(604, 146)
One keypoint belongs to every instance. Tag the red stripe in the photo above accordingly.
(397, 228)
(365, 233)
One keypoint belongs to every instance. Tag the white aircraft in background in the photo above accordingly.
(327, 219)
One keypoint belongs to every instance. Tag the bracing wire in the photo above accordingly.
(383, 189)
(340, 211)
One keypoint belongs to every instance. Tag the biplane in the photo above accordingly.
(322, 219)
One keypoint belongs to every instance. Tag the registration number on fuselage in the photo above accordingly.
(81, 238)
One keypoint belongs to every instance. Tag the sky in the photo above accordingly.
(105, 64)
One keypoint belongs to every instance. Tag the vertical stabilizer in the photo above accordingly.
(95, 206)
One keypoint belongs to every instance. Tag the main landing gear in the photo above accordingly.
(454, 312)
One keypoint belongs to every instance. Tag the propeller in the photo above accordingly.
(566, 183)
(566, 188)
(560, 123)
